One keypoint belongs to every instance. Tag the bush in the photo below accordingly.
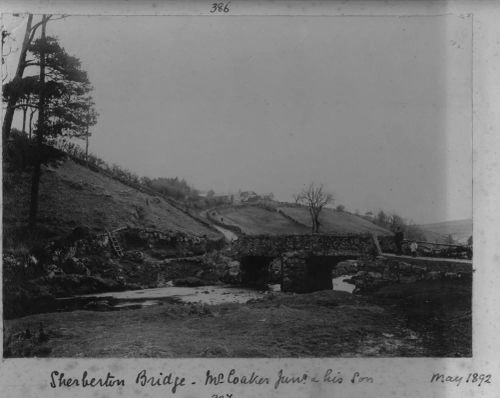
(20, 152)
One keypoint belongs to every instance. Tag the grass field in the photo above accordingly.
(254, 220)
(322, 324)
(432, 320)
(333, 221)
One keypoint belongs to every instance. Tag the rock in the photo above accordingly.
(133, 286)
(199, 274)
(101, 305)
(135, 256)
(80, 233)
(275, 270)
(189, 282)
(348, 267)
(408, 278)
(368, 281)
(232, 273)
(405, 268)
(53, 270)
(433, 275)
(75, 266)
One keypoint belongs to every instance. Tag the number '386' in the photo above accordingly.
(220, 7)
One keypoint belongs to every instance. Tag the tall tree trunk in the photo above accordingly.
(25, 110)
(316, 221)
(87, 146)
(21, 65)
(313, 220)
(35, 181)
(31, 122)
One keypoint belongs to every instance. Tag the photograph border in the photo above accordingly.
(409, 376)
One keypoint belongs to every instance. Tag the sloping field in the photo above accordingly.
(333, 221)
(254, 220)
(460, 230)
(72, 195)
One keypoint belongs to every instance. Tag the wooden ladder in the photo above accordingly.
(115, 244)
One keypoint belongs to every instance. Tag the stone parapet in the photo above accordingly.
(314, 245)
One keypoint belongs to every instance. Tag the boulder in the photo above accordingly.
(366, 281)
(53, 270)
(275, 271)
(348, 267)
(74, 265)
(190, 281)
(99, 305)
(135, 256)
(409, 278)
(433, 275)
(79, 233)
(232, 273)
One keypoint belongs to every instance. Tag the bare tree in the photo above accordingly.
(315, 198)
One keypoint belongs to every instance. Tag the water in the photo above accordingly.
(340, 285)
(134, 304)
(216, 294)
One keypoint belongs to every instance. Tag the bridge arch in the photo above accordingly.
(306, 261)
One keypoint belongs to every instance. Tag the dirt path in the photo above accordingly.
(229, 235)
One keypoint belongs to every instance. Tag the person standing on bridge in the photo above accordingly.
(398, 240)
(413, 248)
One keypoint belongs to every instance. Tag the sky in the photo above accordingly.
(377, 109)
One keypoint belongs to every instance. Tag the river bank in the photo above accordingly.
(321, 324)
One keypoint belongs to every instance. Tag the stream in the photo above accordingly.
(211, 295)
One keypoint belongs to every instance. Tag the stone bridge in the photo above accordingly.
(300, 263)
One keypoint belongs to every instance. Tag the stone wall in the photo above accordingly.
(303, 273)
(370, 275)
(426, 249)
(387, 244)
(294, 273)
(315, 245)
(170, 243)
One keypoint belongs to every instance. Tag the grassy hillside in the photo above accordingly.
(333, 221)
(460, 230)
(72, 195)
(254, 220)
